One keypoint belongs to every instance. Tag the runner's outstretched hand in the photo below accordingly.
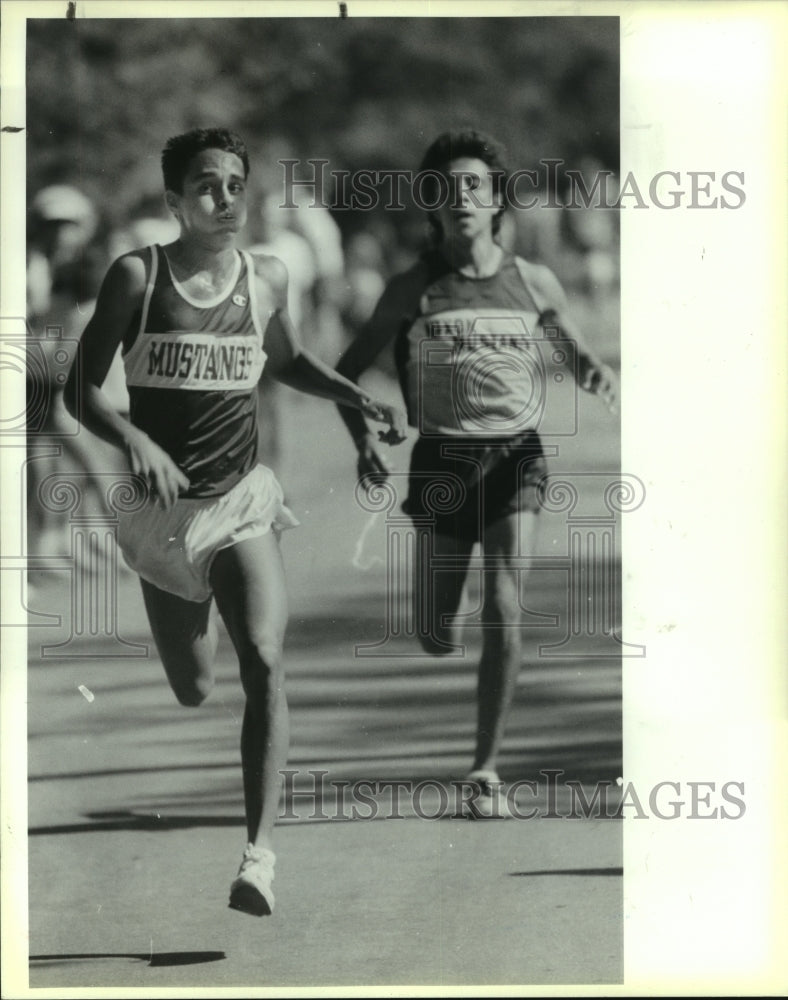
(390, 415)
(600, 380)
(155, 466)
(373, 466)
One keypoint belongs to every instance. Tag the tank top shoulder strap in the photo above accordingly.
(249, 262)
(430, 267)
(526, 274)
(251, 274)
(154, 271)
(152, 267)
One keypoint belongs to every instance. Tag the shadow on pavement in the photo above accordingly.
(148, 823)
(166, 958)
(406, 717)
(583, 872)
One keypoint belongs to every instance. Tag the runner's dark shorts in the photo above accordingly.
(461, 484)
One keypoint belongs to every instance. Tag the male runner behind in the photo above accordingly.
(198, 321)
(478, 308)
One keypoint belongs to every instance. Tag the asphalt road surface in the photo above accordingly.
(135, 808)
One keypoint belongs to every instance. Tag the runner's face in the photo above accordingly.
(472, 203)
(213, 201)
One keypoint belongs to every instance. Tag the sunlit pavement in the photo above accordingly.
(135, 807)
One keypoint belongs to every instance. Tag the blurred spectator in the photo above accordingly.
(535, 233)
(66, 262)
(39, 283)
(62, 222)
(143, 231)
(590, 231)
(278, 238)
(365, 270)
(316, 224)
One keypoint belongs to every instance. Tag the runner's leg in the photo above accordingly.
(186, 638)
(438, 593)
(505, 539)
(249, 586)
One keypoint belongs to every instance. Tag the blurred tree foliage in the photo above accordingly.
(104, 95)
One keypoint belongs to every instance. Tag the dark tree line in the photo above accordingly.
(103, 95)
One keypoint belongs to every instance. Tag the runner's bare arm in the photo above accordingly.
(117, 307)
(592, 374)
(378, 331)
(289, 362)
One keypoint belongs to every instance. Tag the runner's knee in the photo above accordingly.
(189, 670)
(502, 599)
(440, 639)
(261, 666)
(438, 627)
(193, 692)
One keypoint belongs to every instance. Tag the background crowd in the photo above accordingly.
(361, 94)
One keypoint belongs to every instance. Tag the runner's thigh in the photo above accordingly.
(506, 541)
(249, 585)
(440, 572)
(186, 640)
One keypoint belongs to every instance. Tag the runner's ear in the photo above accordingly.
(171, 201)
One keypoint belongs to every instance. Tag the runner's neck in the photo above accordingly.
(479, 259)
(202, 269)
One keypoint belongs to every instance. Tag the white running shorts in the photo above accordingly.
(173, 549)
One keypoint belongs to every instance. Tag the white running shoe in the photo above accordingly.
(490, 803)
(251, 891)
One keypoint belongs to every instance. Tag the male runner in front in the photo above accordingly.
(198, 320)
